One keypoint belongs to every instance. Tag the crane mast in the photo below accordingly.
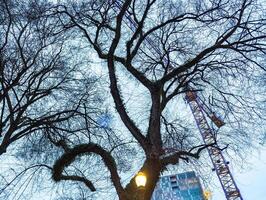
(198, 108)
(221, 168)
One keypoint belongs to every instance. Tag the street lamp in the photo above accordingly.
(140, 179)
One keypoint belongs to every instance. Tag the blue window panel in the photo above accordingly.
(178, 198)
(165, 182)
(182, 176)
(184, 193)
(195, 191)
(182, 187)
(173, 184)
(167, 195)
(197, 198)
(165, 179)
(175, 188)
(194, 185)
(176, 193)
(165, 185)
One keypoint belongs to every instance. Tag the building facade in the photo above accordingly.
(184, 186)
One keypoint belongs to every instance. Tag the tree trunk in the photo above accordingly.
(151, 168)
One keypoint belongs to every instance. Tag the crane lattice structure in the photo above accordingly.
(198, 108)
(221, 168)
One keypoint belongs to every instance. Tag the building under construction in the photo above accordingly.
(184, 186)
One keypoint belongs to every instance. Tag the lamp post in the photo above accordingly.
(141, 181)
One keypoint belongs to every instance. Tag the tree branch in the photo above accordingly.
(174, 157)
(68, 157)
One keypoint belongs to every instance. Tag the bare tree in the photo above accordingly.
(164, 49)
(36, 78)
(212, 46)
(45, 96)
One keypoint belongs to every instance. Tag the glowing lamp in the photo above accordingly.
(141, 179)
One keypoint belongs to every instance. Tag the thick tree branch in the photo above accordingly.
(113, 83)
(68, 157)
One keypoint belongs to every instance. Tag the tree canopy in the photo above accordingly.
(93, 91)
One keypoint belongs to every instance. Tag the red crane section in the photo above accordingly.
(220, 164)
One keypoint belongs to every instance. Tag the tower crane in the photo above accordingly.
(199, 109)
(220, 164)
